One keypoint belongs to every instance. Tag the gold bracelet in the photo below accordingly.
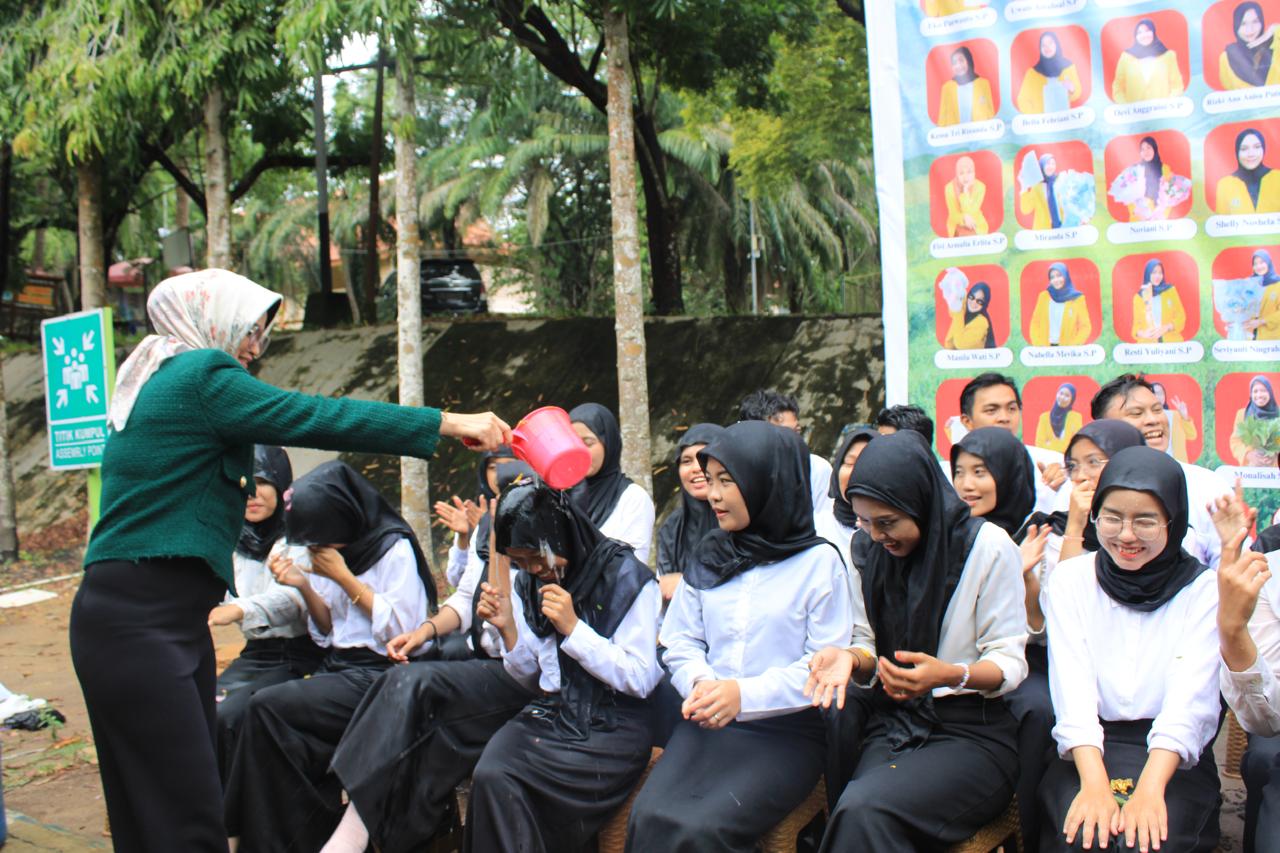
(865, 655)
(355, 602)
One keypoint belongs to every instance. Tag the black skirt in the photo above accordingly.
(935, 795)
(535, 792)
(1191, 798)
(417, 734)
(724, 789)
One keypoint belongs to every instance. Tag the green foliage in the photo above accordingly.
(1261, 434)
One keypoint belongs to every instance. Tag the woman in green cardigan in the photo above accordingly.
(176, 472)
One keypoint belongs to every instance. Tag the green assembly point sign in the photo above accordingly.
(79, 374)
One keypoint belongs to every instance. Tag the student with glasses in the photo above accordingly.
(971, 325)
(1133, 670)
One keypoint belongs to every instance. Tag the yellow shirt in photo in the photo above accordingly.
(982, 106)
(1230, 80)
(969, 204)
(1269, 314)
(1171, 311)
(1147, 79)
(1076, 325)
(962, 335)
(1233, 197)
(1031, 93)
(1044, 432)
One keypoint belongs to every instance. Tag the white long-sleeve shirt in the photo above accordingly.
(631, 521)
(987, 616)
(628, 662)
(760, 628)
(399, 603)
(1045, 496)
(1112, 662)
(830, 529)
(460, 559)
(1254, 693)
(820, 484)
(271, 610)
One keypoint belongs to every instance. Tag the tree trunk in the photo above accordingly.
(93, 272)
(414, 505)
(661, 221)
(6, 215)
(217, 170)
(8, 505)
(633, 383)
(371, 270)
(322, 198)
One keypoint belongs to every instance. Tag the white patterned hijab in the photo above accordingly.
(209, 309)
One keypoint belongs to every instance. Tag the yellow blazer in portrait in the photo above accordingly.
(1031, 93)
(1233, 197)
(1076, 325)
(962, 335)
(960, 205)
(1230, 80)
(1044, 432)
(1130, 84)
(1171, 311)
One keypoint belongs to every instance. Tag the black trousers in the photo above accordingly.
(724, 789)
(1032, 707)
(1261, 772)
(1191, 798)
(935, 795)
(280, 794)
(262, 663)
(417, 734)
(142, 650)
(534, 792)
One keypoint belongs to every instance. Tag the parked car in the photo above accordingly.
(449, 286)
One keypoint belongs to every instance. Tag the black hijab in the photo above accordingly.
(334, 503)
(1111, 436)
(1153, 169)
(906, 597)
(840, 506)
(602, 575)
(1051, 66)
(1058, 414)
(508, 473)
(770, 465)
(692, 519)
(1270, 411)
(1250, 64)
(482, 481)
(1156, 48)
(969, 316)
(972, 73)
(599, 494)
(1252, 178)
(270, 464)
(1010, 466)
(1146, 469)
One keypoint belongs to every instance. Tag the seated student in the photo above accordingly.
(272, 616)
(684, 528)
(931, 745)
(993, 475)
(1249, 633)
(1087, 456)
(839, 525)
(369, 581)
(782, 410)
(1130, 397)
(765, 593)
(581, 627)
(420, 728)
(619, 508)
(991, 399)
(1133, 670)
(469, 520)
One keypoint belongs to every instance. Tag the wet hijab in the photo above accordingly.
(1267, 412)
(985, 289)
(599, 494)
(209, 309)
(906, 597)
(271, 465)
(970, 75)
(1058, 414)
(1146, 469)
(1153, 169)
(692, 519)
(1068, 290)
(508, 473)
(1270, 276)
(840, 506)
(1051, 66)
(1250, 64)
(1138, 51)
(1252, 178)
(334, 503)
(771, 468)
(602, 575)
(1111, 436)
(1010, 466)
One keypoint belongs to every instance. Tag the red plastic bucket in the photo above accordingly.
(545, 439)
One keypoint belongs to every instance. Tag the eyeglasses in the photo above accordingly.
(1145, 529)
(978, 300)
(1092, 465)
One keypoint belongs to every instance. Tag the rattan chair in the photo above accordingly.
(1237, 742)
(782, 838)
(613, 837)
(1005, 831)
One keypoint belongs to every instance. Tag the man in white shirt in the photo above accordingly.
(1130, 397)
(992, 399)
(766, 404)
